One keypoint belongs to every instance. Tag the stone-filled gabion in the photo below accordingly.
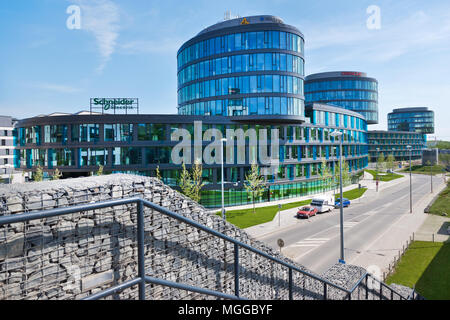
(73, 256)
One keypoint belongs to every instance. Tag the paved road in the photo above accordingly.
(315, 244)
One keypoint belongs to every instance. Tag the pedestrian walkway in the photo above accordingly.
(433, 229)
(382, 251)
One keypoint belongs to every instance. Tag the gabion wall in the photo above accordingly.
(73, 256)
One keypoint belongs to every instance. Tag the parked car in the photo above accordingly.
(306, 212)
(345, 203)
(323, 203)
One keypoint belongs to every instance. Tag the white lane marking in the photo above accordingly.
(348, 224)
(310, 242)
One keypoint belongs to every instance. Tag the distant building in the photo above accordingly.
(430, 156)
(7, 142)
(395, 143)
(419, 120)
(346, 89)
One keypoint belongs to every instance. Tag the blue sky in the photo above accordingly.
(128, 49)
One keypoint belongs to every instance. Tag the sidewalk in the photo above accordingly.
(433, 225)
(381, 252)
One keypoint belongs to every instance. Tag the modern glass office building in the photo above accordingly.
(395, 143)
(411, 119)
(78, 144)
(244, 73)
(243, 67)
(347, 89)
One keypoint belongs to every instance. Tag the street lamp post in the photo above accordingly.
(410, 179)
(431, 176)
(338, 134)
(376, 178)
(223, 196)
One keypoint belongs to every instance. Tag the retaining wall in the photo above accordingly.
(72, 256)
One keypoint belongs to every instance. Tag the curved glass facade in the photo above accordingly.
(349, 90)
(254, 72)
(241, 63)
(419, 120)
(241, 41)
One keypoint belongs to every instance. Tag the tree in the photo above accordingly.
(191, 183)
(158, 173)
(197, 183)
(345, 173)
(444, 159)
(100, 171)
(56, 175)
(185, 181)
(39, 174)
(254, 183)
(381, 162)
(390, 162)
(325, 174)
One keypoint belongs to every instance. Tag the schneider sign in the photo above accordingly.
(114, 104)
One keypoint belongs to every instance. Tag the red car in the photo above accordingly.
(306, 212)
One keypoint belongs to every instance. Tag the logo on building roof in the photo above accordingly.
(355, 74)
(244, 21)
(115, 104)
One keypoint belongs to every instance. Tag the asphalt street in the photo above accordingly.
(315, 242)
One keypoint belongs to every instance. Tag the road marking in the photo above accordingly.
(310, 242)
(350, 224)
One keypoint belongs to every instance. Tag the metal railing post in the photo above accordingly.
(141, 251)
(236, 270)
(324, 291)
(381, 290)
(291, 295)
(367, 286)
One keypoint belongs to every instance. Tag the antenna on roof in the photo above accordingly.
(227, 15)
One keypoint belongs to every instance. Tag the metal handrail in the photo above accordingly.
(411, 294)
(382, 284)
(143, 279)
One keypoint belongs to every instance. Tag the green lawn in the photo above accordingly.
(427, 266)
(384, 176)
(436, 169)
(353, 194)
(442, 203)
(246, 218)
